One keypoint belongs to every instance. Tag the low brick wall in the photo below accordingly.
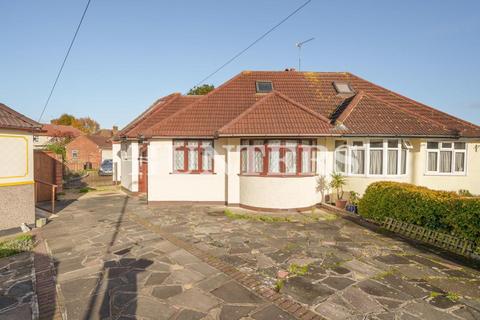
(17, 205)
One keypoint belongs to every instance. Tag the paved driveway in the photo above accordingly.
(116, 257)
(111, 267)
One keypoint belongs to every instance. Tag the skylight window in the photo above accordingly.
(343, 87)
(264, 86)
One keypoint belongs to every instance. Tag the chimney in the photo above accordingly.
(114, 129)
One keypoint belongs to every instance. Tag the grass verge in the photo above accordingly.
(86, 189)
(16, 245)
(255, 217)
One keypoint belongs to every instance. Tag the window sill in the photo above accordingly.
(195, 173)
(278, 175)
(375, 175)
(435, 174)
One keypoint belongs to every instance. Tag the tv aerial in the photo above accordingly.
(299, 45)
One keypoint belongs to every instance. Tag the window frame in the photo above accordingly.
(200, 152)
(75, 154)
(257, 86)
(451, 149)
(367, 148)
(251, 147)
(350, 157)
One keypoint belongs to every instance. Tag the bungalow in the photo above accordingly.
(263, 139)
(17, 191)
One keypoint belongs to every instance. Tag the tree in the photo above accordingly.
(65, 119)
(201, 90)
(85, 124)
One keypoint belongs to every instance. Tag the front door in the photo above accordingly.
(143, 170)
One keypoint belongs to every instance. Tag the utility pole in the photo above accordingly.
(299, 46)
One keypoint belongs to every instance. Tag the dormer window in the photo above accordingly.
(264, 86)
(343, 87)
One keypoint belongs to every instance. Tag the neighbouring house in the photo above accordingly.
(87, 151)
(263, 139)
(107, 133)
(17, 187)
(54, 133)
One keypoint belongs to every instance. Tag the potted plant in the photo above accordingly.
(337, 183)
(353, 202)
(322, 187)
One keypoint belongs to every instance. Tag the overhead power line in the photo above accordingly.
(64, 60)
(253, 43)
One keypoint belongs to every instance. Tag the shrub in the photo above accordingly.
(437, 210)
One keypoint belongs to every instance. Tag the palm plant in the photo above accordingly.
(338, 182)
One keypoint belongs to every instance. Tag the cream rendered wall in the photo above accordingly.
(164, 185)
(117, 161)
(16, 163)
(469, 181)
(278, 192)
(129, 166)
(106, 154)
(42, 141)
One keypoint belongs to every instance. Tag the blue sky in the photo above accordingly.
(129, 53)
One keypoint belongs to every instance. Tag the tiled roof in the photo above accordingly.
(160, 110)
(314, 91)
(275, 114)
(56, 130)
(369, 115)
(145, 114)
(101, 141)
(11, 119)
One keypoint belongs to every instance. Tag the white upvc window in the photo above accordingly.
(371, 157)
(446, 157)
(357, 158)
(341, 151)
(376, 157)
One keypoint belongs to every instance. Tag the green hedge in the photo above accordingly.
(438, 210)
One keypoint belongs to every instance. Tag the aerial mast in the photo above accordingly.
(299, 46)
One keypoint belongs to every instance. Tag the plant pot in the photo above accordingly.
(352, 208)
(341, 204)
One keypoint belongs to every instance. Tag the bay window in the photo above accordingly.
(375, 157)
(278, 157)
(193, 156)
(446, 157)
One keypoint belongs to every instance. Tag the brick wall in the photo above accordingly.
(87, 151)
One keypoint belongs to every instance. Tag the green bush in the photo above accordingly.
(437, 210)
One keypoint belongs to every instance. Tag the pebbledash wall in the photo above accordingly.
(227, 186)
(17, 198)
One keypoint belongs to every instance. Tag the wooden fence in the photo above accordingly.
(439, 239)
